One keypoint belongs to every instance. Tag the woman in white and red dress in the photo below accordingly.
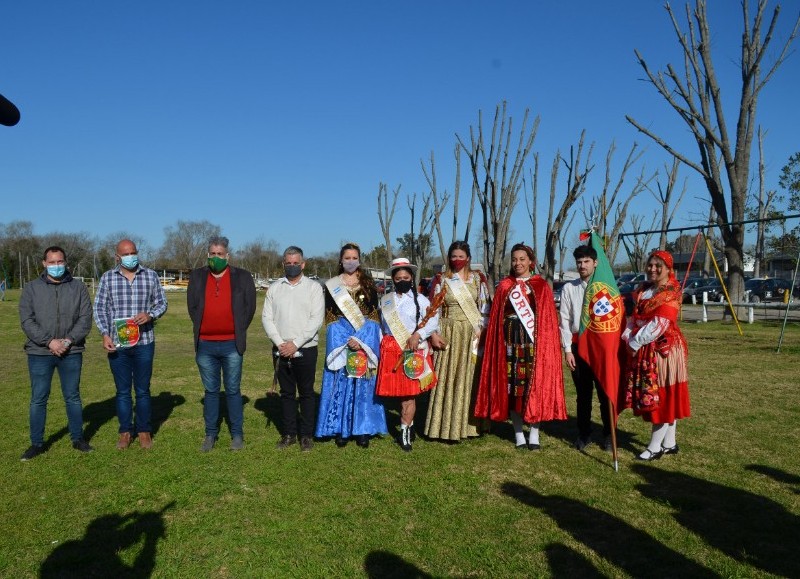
(522, 374)
(656, 373)
(405, 369)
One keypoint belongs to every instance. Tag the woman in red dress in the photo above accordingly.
(522, 374)
(656, 371)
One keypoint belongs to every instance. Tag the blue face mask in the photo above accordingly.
(56, 271)
(129, 261)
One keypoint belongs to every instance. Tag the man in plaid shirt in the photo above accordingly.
(133, 293)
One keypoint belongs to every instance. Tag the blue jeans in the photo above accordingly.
(133, 367)
(213, 359)
(41, 370)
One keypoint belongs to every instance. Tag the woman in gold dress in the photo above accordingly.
(461, 323)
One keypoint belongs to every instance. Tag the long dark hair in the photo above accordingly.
(526, 249)
(455, 246)
(364, 278)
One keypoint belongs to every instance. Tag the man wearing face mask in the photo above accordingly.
(293, 313)
(129, 299)
(56, 315)
(221, 301)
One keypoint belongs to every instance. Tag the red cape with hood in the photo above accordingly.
(546, 399)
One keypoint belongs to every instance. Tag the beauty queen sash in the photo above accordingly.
(392, 317)
(522, 306)
(345, 302)
(468, 306)
(464, 299)
(415, 364)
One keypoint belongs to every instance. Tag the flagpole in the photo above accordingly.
(612, 414)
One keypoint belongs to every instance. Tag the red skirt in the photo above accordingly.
(396, 383)
(673, 391)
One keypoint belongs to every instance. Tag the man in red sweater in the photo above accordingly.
(221, 301)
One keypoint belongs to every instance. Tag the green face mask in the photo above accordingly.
(217, 264)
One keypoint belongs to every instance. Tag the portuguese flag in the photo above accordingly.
(602, 323)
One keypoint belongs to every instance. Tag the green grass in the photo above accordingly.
(728, 504)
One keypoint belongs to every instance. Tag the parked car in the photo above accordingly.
(767, 289)
(712, 288)
(632, 277)
(692, 284)
(557, 285)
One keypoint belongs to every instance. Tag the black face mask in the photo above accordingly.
(402, 287)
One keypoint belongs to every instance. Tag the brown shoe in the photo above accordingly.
(145, 441)
(124, 440)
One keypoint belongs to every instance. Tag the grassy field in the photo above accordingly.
(727, 505)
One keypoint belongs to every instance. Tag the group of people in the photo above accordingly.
(479, 358)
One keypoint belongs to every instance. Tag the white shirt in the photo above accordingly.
(408, 315)
(646, 331)
(570, 310)
(294, 312)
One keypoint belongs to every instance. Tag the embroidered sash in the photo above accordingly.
(345, 302)
(522, 306)
(464, 299)
(389, 310)
(401, 334)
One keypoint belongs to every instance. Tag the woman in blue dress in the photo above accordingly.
(349, 407)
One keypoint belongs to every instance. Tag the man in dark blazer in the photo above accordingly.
(221, 301)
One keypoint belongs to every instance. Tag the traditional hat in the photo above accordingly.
(664, 256)
(399, 263)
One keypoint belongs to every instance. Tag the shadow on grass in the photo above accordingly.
(97, 414)
(745, 526)
(777, 475)
(567, 562)
(627, 547)
(383, 565)
(223, 409)
(162, 406)
(97, 553)
(270, 407)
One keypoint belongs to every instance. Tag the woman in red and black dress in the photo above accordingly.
(521, 373)
(656, 372)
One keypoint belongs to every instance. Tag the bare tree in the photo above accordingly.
(575, 186)
(418, 242)
(496, 183)
(696, 96)
(186, 244)
(18, 247)
(562, 246)
(531, 206)
(440, 204)
(609, 198)
(259, 257)
(385, 214)
(765, 204)
(664, 197)
(641, 241)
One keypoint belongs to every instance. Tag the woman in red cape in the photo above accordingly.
(656, 376)
(520, 376)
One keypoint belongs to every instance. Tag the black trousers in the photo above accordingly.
(297, 375)
(585, 385)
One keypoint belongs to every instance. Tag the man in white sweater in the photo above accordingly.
(293, 313)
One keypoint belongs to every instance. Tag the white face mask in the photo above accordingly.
(350, 265)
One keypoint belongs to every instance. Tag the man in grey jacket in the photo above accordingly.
(56, 316)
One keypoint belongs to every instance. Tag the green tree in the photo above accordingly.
(790, 181)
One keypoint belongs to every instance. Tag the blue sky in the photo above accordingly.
(279, 120)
